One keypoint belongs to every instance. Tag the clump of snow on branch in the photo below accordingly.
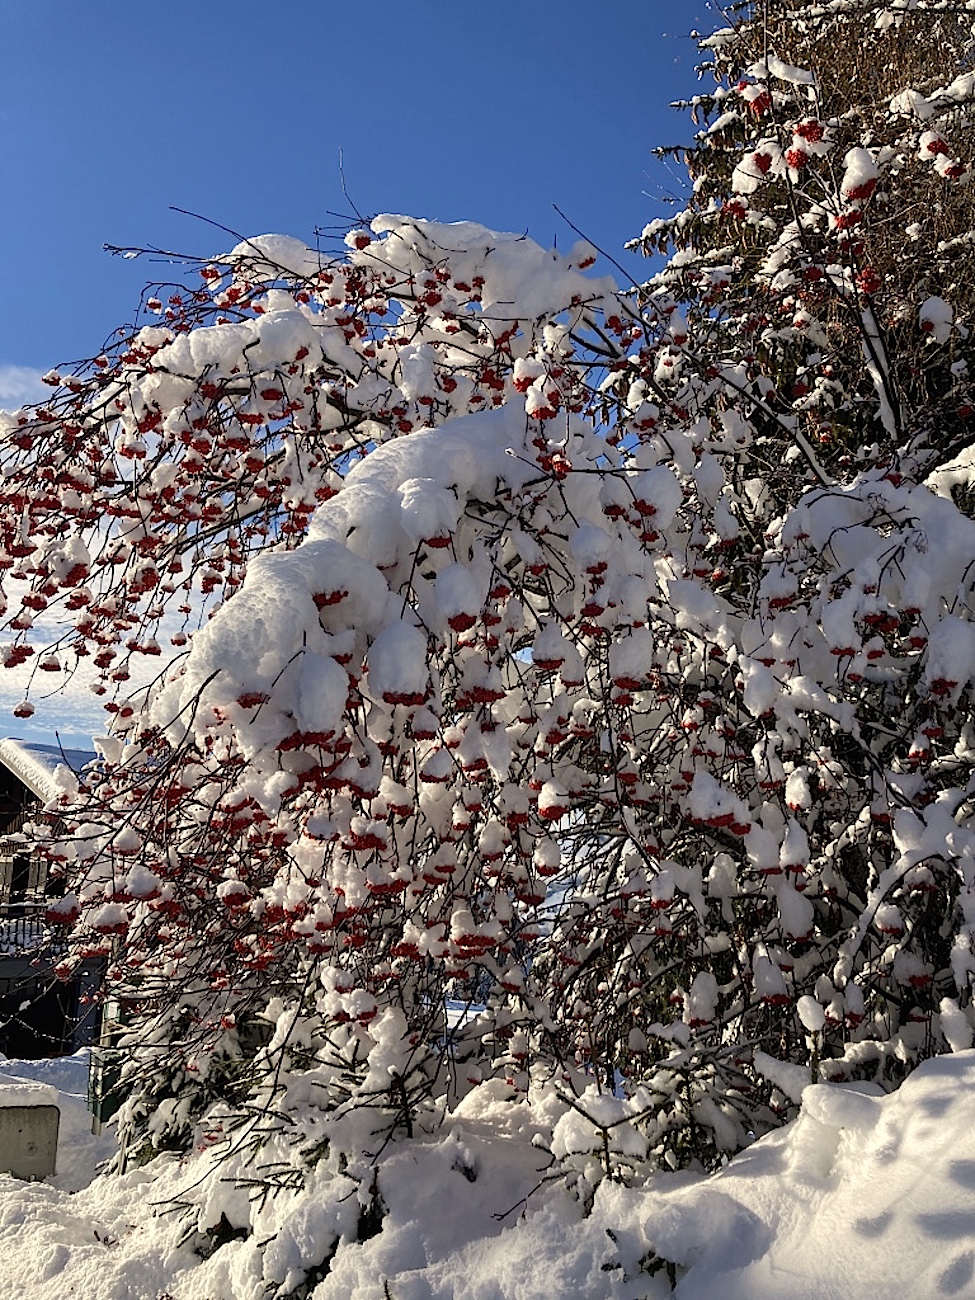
(586, 720)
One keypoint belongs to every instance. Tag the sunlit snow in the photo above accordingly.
(862, 1195)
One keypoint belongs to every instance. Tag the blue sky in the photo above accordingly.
(111, 114)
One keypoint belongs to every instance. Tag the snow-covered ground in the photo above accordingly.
(863, 1195)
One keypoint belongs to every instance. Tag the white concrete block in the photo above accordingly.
(28, 1135)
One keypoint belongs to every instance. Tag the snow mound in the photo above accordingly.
(864, 1194)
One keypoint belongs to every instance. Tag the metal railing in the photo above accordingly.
(23, 930)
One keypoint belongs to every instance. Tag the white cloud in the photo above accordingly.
(63, 701)
(74, 717)
(20, 384)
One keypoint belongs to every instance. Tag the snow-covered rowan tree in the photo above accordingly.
(586, 717)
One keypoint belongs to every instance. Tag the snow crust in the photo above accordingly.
(26, 1094)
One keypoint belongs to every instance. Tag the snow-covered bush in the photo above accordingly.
(590, 693)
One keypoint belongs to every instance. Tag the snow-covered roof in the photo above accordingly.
(37, 765)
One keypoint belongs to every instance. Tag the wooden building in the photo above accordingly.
(40, 1015)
